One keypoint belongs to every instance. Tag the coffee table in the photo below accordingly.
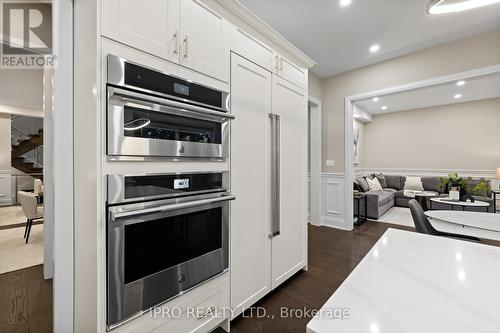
(462, 204)
(421, 197)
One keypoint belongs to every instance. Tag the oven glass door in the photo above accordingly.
(167, 241)
(148, 126)
(160, 249)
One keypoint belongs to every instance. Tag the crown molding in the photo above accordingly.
(243, 13)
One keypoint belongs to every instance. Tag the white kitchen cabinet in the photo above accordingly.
(204, 35)
(250, 263)
(261, 260)
(252, 49)
(290, 72)
(185, 32)
(148, 28)
(289, 247)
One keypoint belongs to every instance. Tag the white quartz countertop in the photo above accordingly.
(411, 282)
(486, 221)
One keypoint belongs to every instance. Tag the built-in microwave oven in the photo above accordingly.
(151, 114)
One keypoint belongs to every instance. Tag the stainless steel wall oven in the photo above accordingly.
(166, 233)
(154, 115)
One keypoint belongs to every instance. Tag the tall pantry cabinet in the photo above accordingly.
(268, 178)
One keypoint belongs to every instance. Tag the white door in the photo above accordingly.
(289, 247)
(250, 224)
(204, 47)
(149, 28)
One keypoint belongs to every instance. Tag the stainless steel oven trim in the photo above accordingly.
(138, 314)
(131, 98)
(116, 70)
(117, 288)
(116, 187)
(120, 145)
(169, 207)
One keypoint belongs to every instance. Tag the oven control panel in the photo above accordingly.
(180, 184)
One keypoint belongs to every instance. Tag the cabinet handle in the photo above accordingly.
(186, 47)
(275, 175)
(281, 63)
(176, 42)
(277, 64)
(209, 311)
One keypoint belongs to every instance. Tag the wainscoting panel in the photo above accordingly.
(333, 205)
(5, 195)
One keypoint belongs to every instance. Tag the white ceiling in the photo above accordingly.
(475, 89)
(338, 38)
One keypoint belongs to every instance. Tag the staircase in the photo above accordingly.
(27, 151)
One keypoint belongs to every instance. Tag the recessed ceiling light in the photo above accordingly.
(375, 99)
(374, 48)
(345, 3)
(384, 108)
(461, 83)
(436, 7)
(458, 96)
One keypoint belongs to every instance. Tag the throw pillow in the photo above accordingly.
(374, 184)
(362, 182)
(381, 179)
(414, 184)
(480, 187)
(356, 186)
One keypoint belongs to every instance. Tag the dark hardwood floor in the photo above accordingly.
(26, 298)
(25, 301)
(333, 254)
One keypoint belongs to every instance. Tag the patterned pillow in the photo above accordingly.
(374, 184)
(362, 182)
(381, 179)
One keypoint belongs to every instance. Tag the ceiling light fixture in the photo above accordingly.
(374, 48)
(384, 108)
(345, 3)
(375, 99)
(461, 83)
(437, 7)
(458, 96)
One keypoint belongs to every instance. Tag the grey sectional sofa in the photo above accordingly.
(379, 202)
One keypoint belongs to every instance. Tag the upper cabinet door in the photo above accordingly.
(289, 247)
(145, 27)
(291, 72)
(204, 42)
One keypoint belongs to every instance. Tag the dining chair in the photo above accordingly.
(424, 226)
(37, 186)
(30, 209)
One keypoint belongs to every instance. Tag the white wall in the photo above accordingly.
(21, 88)
(456, 136)
(5, 151)
(466, 54)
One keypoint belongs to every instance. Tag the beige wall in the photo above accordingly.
(315, 86)
(456, 136)
(22, 88)
(5, 147)
(458, 56)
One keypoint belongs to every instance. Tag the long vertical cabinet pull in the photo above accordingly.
(275, 174)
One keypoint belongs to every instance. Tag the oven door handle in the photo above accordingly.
(189, 110)
(168, 208)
